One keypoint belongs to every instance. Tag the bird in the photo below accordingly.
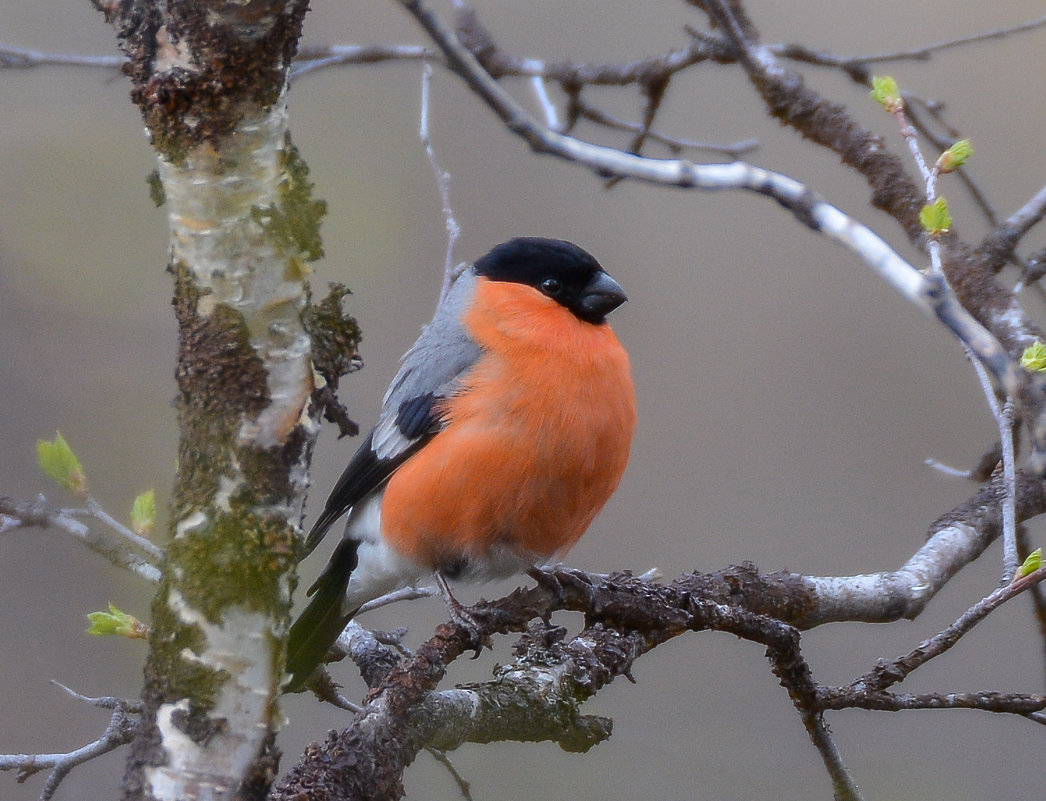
(505, 431)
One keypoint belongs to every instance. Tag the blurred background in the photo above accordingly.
(788, 398)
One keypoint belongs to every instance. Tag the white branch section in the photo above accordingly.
(210, 199)
(899, 593)
(222, 202)
(203, 767)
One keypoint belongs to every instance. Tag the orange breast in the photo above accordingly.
(536, 442)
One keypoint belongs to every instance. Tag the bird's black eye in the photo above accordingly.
(551, 286)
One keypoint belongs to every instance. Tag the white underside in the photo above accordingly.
(382, 570)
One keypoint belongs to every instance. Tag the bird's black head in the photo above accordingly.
(558, 269)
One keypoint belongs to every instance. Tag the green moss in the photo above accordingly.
(335, 335)
(169, 671)
(155, 184)
(293, 222)
(237, 560)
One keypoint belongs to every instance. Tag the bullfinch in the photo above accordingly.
(503, 434)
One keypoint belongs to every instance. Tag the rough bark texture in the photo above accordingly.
(210, 79)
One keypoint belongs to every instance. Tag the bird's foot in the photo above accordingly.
(557, 578)
(460, 615)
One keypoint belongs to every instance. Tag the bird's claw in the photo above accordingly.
(461, 616)
(556, 580)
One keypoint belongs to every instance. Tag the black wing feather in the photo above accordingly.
(417, 419)
(323, 619)
(364, 473)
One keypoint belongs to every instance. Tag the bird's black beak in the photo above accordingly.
(601, 296)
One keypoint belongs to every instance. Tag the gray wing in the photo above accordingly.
(430, 370)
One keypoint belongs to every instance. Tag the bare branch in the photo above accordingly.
(733, 150)
(1002, 413)
(1005, 703)
(311, 59)
(793, 671)
(915, 105)
(923, 53)
(121, 730)
(889, 673)
(541, 93)
(1002, 241)
(97, 511)
(40, 513)
(23, 58)
(450, 272)
(132, 705)
(444, 760)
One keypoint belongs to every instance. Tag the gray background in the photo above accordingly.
(787, 397)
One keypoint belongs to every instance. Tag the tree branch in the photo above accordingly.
(123, 725)
(16, 513)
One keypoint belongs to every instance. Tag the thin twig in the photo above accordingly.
(537, 83)
(1001, 703)
(441, 756)
(450, 271)
(929, 177)
(825, 59)
(1006, 236)
(732, 149)
(1010, 557)
(942, 143)
(1002, 413)
(24, 58)
(96, 511)
(948, 470)
(311, 59)
(133, 705)
(40, 513)
(1021, 221)
(791, 668)
(396, 596)
(889, 673)
(123, 724)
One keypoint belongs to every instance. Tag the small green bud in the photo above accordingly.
(118, 623)
(955, 156)
(935, 218)
(1031, 564)
(143, 513)
(60, 463)
(1034, 357)
(886, 93)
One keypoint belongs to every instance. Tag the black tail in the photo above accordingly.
(319, 625)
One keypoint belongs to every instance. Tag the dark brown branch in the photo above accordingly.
(1003, 703)
(625, 618)
(794, 672)
(477, 39)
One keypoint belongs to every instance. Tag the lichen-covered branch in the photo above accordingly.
(210, 80)
(625, 617)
